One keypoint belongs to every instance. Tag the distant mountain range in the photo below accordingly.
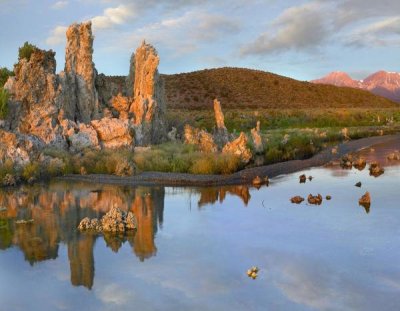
(383, 83)
(245, 88)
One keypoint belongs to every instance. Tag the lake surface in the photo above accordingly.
(193, 246)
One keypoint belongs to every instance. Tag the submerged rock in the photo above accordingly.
(358, 184)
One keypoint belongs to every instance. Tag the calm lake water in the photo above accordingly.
(193, 246)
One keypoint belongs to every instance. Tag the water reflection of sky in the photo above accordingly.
(194, 246)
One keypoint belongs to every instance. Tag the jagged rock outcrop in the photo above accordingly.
(80, 99)
(121, 104)
(148, 107)
(239, 148)
(257, 139)
(18, 148)
(221, 135)
(85, 137)
(114, 133)
(33, 92)
(108, 87)
(195, 136)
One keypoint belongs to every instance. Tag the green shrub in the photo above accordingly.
(31, 170)
(26, 51)
(3, 103)
(7, 168)
(4, 75)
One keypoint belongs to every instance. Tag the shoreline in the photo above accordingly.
(243, 177)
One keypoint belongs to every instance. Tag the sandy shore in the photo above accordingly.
(245, 176)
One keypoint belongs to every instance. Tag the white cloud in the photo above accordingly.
(114, 16)
(297, 28)
(59, 5)
(185, 33)
(57, 36)
(380, 33)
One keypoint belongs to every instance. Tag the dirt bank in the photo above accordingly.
(245, 176)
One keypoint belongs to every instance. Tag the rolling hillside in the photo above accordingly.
(245, 88)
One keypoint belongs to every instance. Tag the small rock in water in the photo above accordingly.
(257, 181)
(302, 178)
(310, 178)
(394, 156)
(328, 197)
(253, 272)
(360, 163)
(358, 184)
(365, 201)
(375, 169)
(316, 200)
(347, 161)
(297, 199)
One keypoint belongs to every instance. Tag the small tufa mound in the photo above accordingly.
(358, 184)
(297, 199)
(114, 221)
(316, 200)
(302, 178)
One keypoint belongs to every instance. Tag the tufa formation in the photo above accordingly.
(78, 109)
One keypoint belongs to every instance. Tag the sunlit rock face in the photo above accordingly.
(195, 136)
(239, 148)
(19, 148)
(113, 133)
(148, 106)
(257, 139)
(221, 135)
(80, 102)
(33, 98)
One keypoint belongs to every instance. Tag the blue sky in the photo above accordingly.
(299, 39)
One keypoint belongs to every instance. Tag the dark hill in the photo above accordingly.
(246, 88)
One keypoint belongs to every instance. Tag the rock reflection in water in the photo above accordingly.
(212, 195)
(57, 208)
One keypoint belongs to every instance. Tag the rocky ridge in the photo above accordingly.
(383, 83)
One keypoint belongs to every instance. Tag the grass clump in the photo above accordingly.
(3, 103)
